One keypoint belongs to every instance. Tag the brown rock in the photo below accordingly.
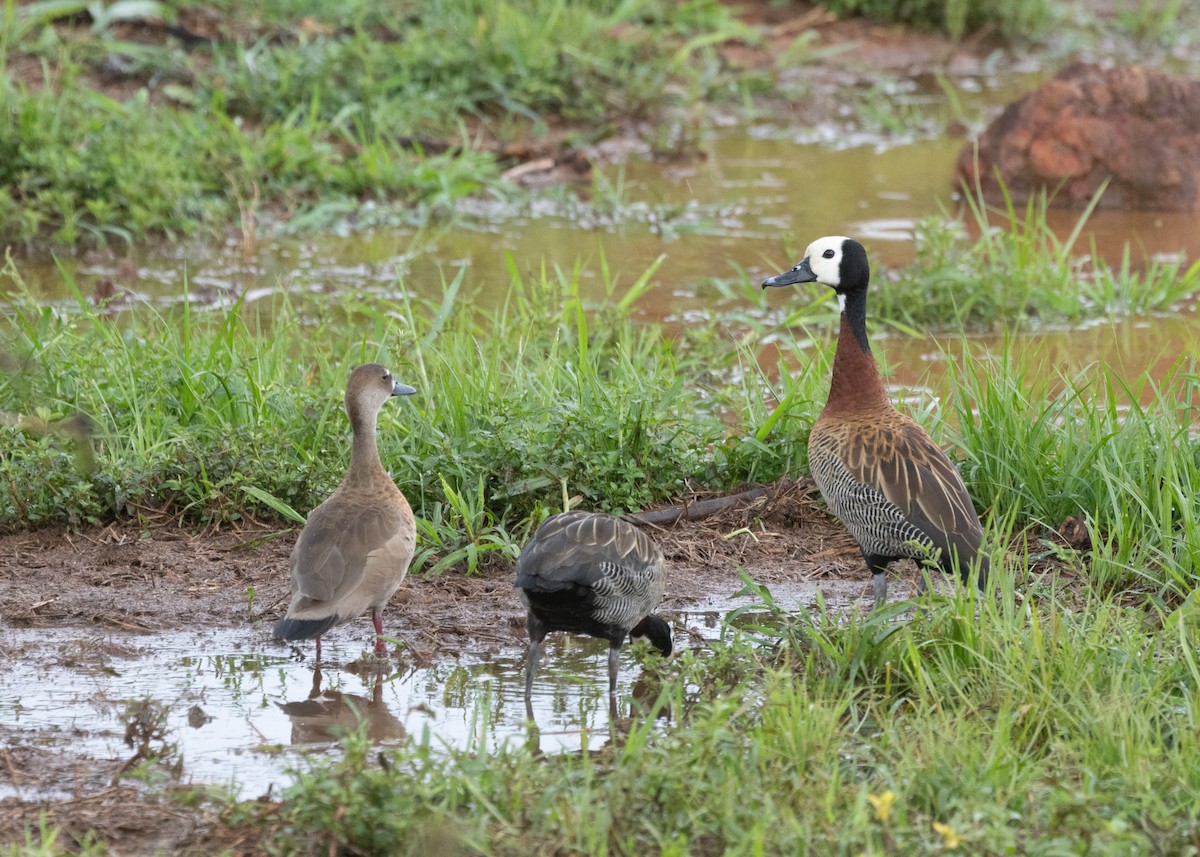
(1054, 160)
(1137, 129)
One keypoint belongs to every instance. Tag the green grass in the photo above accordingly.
(1031, 730)
(543, 399)
(210, 415)
(294, 105)
(1009, 268)
(1016, 19)
(1122, 457)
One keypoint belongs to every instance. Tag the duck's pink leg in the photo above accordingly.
(377, 618)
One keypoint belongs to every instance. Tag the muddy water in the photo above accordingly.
(242, 711)
(748, 210)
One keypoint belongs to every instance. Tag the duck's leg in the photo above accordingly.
(377, 618)
(318, 650)
(878, 565)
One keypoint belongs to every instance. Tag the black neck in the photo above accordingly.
(855, 316)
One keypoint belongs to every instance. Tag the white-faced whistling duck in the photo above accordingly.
(590, 573)
(881, 473)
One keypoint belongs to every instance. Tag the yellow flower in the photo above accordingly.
(950, 839)
(883, 804)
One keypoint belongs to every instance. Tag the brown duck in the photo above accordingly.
(880, 472)
(355, 548)
(591, 573)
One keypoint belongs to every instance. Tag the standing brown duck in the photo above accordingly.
(880, 472)
(590, 573)
(355, 549)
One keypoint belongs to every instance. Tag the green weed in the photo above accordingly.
(215, 415)
(295, 107)
(1121, 457)
(978, 725)
(1019, 271)
(1023, 19)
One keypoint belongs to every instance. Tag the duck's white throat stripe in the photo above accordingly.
(841, 302)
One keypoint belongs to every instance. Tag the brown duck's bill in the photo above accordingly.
(403, 390)
(802, 273)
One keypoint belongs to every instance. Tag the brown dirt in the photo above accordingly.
(124, 577)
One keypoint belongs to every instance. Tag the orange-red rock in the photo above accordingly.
(1137, 129)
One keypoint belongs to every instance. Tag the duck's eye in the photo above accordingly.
(387, 376)
(828, 254)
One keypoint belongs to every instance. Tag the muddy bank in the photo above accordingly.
(88, 608)
(139, 580)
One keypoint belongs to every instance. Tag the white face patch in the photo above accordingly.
(825, 258)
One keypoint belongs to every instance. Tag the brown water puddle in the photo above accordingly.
(747, 209)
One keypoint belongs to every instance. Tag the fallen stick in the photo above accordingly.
(697, 510)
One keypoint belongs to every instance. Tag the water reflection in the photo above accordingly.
(330, 715)
(244, 713)
(642, 703)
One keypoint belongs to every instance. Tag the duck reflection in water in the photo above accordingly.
(644, 695)
(329, 715)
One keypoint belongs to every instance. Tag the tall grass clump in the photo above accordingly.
(1122, 457)
(207, 415)
(1011, 267)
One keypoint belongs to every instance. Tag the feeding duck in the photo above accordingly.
(595, 574)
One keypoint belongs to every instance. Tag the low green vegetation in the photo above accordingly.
(1010, 267)
(210, 415)
(1021, 19)
(1032, 729)
(163, 117)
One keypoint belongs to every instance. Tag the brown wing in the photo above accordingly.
(330, 557)
(900, 460)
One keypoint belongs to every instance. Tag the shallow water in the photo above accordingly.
(242, 710)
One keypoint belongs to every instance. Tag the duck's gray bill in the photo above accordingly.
(802, 273)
